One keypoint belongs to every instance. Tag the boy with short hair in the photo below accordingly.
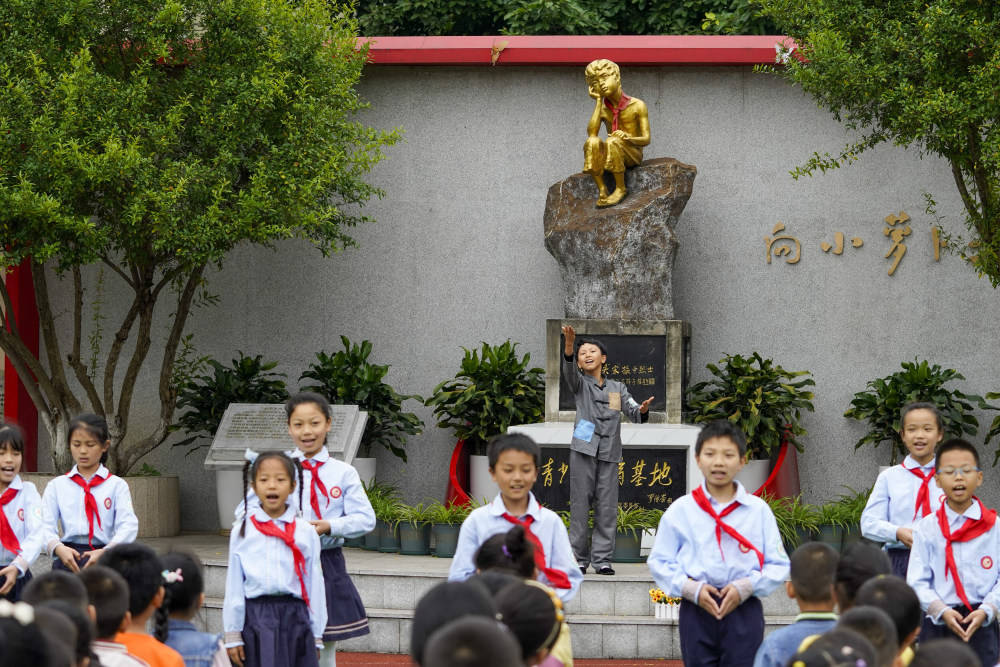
(813, 566)
(719, 549)
(952, 563)
(108, 594)
(595, 449)
(895, 597)
(905, 493)
(513, 460)
(874, 625)
(472, 641)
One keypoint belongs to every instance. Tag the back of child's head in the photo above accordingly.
(24, 639)
(495, 581)
(446, 602)
(183, 581)
(250, 469)
(859, 563)
(304, 397)
(11, 436)
(877, 627)
(920, 405)
(515, 441)
(813, 568)
(510, 551)
(895, 597)
(81, 622)
(955, 445)
(946, 652)
(472, 641)
(721, 428)
(143, 572)
(59, 631)
(56, 585)
(107, 590)
(533, 614)
(839, 647)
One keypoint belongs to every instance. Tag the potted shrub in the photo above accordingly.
(632, 521)
(378, 495)
(879, 405)
(415, 529)
(446, 520)
(387, 516)
(853, 504)
(349, 378)
(797, 521)
(493, 389)
(832, 520)
(204, 399)
(763, 399)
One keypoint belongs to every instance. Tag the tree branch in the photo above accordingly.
(74, 358)
(114, 354)
(117, 269)
(46, 323)
(963, 191)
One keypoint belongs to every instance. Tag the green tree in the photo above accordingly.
(149, 138)
(913, 73)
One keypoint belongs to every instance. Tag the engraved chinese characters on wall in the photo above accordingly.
(782, 245)
(650, 477)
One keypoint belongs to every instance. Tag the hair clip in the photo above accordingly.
(506, 553)
(250, 455)
(22, 612)
(172, 577)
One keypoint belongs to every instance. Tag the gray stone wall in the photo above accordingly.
(457, 256)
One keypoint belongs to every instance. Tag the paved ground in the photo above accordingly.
(384, 660)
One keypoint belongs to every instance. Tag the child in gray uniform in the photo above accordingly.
(596, 449)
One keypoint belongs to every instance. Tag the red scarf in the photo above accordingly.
(7, 537)
(556, 577)
(923, 504)
(90, 503)
(615, 110)
(970, 530)
(288, 537)
(316, 486)
(702, 501)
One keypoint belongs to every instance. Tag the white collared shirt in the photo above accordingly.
(686, 550)
(893, 500)
(263, 565)
(486, 521)
(24, 514)
(346, 508)
(975, 560)
(63, 504)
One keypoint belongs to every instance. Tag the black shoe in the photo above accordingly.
(606, 570)
(583, 569)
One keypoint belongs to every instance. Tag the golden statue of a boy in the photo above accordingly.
(627, 122)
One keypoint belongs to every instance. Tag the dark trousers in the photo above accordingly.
(80, 549)
(900, 559)
(14, 594)
(985, 642)
(731, 642)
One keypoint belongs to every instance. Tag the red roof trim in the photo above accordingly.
(577, 50)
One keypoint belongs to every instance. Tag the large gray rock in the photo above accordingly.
(617, 263)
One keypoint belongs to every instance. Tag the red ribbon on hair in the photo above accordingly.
(971, 529)
(699, 497)
(90, 503)
(316, 486)
(923, 504)
(616, 109)
(288, 537)
(556, 577)
(7, 537)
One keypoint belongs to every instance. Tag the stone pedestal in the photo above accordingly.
(617, 263)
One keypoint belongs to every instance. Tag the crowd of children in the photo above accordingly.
(111, 601)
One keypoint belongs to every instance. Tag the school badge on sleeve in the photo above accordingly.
(20, 514)
(986, 562)
(107, 502)
(335, 492)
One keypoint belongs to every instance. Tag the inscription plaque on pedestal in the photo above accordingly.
(264, 427)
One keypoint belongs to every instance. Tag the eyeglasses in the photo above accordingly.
(951, 472)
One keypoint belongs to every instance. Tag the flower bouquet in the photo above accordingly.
(665, 608)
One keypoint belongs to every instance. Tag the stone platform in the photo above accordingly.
(611, 617)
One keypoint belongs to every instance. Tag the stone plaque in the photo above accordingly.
(636, 361)
(264, 427)
(649, 477)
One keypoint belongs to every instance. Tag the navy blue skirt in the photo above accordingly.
(346, 615)
(79, 548)
(14, 594)
(277, 633)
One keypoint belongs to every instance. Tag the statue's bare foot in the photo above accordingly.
(612, 199)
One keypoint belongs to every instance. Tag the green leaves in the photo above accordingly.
(880, 405)
(348, 377)
(763, 399)
(493, 389)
